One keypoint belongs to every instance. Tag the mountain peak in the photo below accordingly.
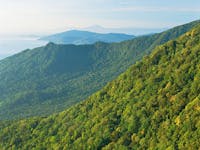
(50, 44)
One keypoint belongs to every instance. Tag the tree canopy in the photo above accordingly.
(48, 79)
(155, 104)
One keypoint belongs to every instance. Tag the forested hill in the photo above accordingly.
(85, 37)
(48, 79)
(155, 104)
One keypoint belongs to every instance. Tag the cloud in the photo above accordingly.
(155, 9)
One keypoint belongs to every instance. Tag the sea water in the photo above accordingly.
(12, 45)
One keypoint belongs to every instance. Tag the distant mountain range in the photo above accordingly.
(78, 37)
(48, 79)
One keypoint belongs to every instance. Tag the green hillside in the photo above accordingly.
(48, 79)
(155, 104)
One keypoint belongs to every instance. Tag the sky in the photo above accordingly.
(50, 16)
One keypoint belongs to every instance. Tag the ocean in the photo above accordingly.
(12, 45)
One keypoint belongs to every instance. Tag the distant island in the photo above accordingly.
(79, 37)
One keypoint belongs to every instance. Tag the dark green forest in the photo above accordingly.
(49, 79)
(155, 104)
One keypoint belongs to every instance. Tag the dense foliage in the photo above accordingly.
(50, 78)
(155, 104)
(84, 37)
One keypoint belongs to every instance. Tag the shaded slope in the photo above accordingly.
(155, 104)
(84, 37)
(53, 77)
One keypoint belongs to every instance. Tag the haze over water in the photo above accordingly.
(13, 44)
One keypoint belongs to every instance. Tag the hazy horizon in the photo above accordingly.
(36, 17)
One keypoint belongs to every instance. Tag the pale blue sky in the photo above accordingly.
(48, 16)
